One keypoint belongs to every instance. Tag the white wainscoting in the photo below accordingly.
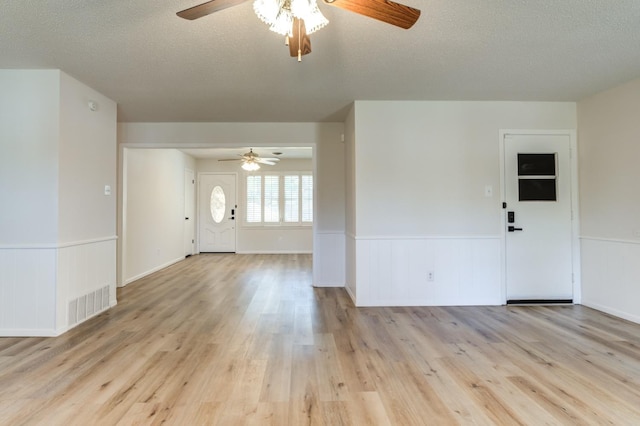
(38, 283)
(393, 271)
(350, 265)
(27, 291)
(611, 276)
(329, 259)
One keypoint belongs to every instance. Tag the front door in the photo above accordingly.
(538, 251)
(217, 208)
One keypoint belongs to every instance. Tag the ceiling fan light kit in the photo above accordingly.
(279, 15)
(296, 19)
(250, 166)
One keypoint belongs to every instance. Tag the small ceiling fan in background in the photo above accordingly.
(251, 161)
(296, 19)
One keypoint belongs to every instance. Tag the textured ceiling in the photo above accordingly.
(228, 67)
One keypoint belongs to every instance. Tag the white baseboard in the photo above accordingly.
(419, 302)
(612, 311)
(151, 271)
(26, 332)
(328, 285)
(274, 252)
(351, 295)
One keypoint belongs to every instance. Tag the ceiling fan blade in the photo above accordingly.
(383, 10)
(269, 159)
(207, 8)
(231, 159)
(300, 40)
(265, 161)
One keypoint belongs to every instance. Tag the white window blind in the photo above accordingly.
(271, 199)
(254, 199)
(291, 198)
(307, 198)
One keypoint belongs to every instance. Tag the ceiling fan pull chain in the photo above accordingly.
(286, 40)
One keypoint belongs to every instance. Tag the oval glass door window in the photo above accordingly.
(218, 204)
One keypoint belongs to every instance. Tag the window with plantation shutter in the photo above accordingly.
(307, 198)
(271, 199)
(291, 198)
(284, 198)
(254, 199)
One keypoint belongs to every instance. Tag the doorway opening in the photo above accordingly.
(154, 205)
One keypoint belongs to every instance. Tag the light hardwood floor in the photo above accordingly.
(242, 339)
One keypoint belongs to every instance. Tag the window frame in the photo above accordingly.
(281, 200)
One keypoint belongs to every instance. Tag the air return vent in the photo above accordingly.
(88, 305)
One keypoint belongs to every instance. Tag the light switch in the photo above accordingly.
(107, 190)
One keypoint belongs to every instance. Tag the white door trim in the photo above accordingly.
(189, 228)
(575, 223)
(200, 174)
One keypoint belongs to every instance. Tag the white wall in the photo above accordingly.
(87, 149)
(350, 202)
(29, 128)
(153, 219)
(86, 158)
(57, 229)
(329, 231)
(264, 239)
(329, 238)
(609, 148)
(420, 171)
(440, 156)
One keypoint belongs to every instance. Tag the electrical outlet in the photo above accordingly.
(430, 276)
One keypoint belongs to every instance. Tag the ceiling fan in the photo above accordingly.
(296, 19)
(251, 161)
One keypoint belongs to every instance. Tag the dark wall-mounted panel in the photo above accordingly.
(536, 164)
(537, 189)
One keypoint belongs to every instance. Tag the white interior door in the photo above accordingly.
(189, 212)
(538, 251)
(217, 208)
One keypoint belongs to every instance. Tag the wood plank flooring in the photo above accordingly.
(246, 340)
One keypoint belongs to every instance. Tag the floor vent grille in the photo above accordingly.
(73, 311)
(88, 305)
